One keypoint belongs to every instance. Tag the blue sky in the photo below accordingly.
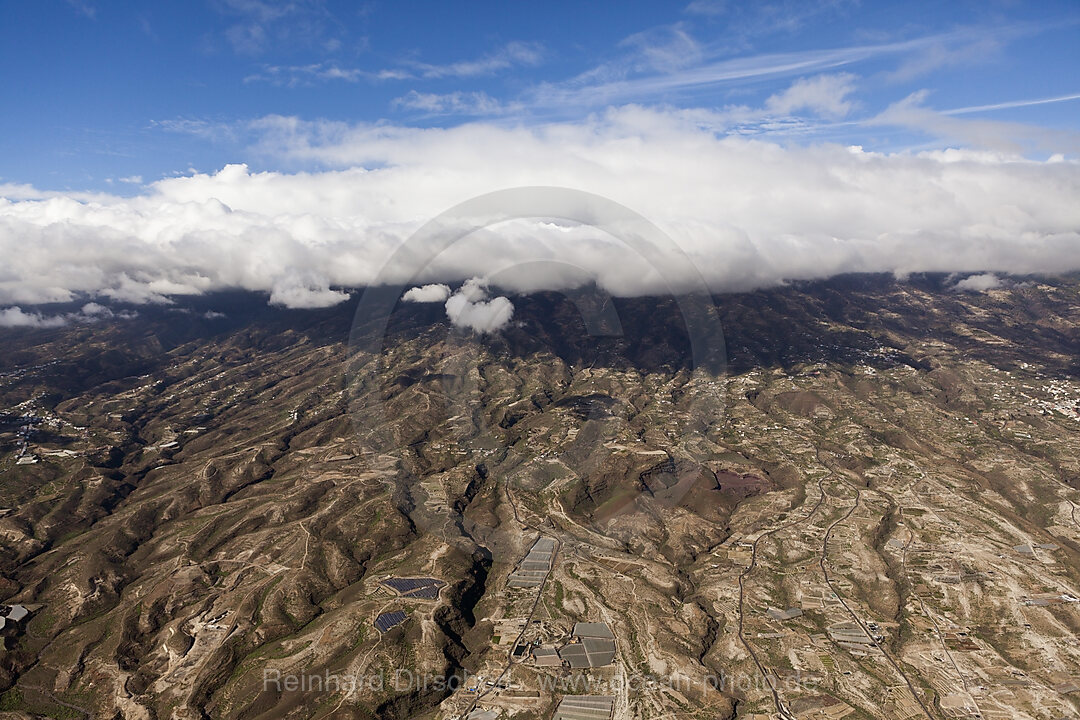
(154, 150)
(99, 91)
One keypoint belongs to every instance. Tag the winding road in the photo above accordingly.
(780, 709)
(532, 610)
(858, 621)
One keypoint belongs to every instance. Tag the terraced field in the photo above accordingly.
(190, 504)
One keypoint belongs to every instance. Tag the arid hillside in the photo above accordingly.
(869, 509)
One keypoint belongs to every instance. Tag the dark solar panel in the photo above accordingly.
(407, 584)
(388, 620)
(426, 588)
(428, 592)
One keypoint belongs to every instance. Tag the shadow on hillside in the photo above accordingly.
(864, 319)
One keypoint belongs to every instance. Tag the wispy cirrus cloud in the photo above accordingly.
(912, 112)
(947, 52)
(663, 49)
(513, 54)
(747, 21)
(1011, 104)
(668, 64)
(510, 55)
(84, 8)
(599, 87)
(309, 74)
(456, 103)
(260, 25)
(794, 110)
(199, 127)
(809, 105)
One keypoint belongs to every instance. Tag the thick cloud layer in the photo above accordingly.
(747, 213)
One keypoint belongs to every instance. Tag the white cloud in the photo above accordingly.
(84, 8)
(89, 313)
(661, 77)
(980, 283)
(1011, 104)
(305, 290)
(749, 213)
(263, 24)
(706, 7)
(456, 103)
(942, 54)
(301, 75)
(824, 95)
(435, 292)
(310, 74)
(96, 310)
(912, 112)
(469, 308)
(746, 20)
(474, 290)
(664, 49)
(17, 317)
(204, 129)
(511, 54)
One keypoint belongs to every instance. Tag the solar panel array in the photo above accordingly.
(428, 592)
(425, 588)
(585, 707)
(388, 620)
(531, 571)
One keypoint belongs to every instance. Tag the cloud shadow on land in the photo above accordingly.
(850, 319)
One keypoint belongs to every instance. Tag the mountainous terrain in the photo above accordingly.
(869, 509)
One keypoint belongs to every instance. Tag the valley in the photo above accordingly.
(871, 514)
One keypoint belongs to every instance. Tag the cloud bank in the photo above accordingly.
(748, 213)
(17, 317)
(90, 312)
